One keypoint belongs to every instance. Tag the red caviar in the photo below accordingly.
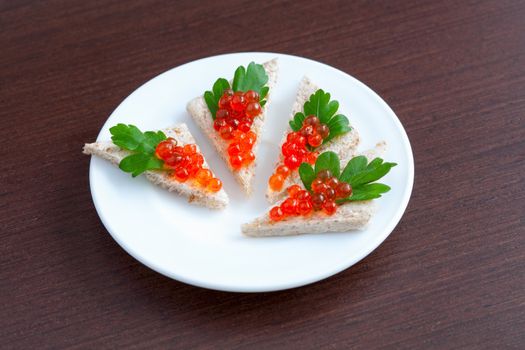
(326, 189)
(186, 163)
(233, 122)
(299, 203)
(276, 214)
(299, 148)
(276, 181)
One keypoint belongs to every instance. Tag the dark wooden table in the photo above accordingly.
(451, 275)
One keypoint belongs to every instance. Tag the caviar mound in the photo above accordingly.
(325, 191)
(186, 162)
(299, 148)
(233, 122)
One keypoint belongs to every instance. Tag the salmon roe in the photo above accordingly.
(233, 122)
(299, 148)
(326, 189)
(299, 203)
(185, 163)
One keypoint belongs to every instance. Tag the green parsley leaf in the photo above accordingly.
(297, 122)
(328, 161)
(366, 192)
(126, 136)
(320, 105)
(354, 166)
(142, 145)
(137, 163)
(253, 78)
(338, 125)
(307, 174)
(375, 170)
(360, 176)
(129, 137)
(264, 92)
(357, 173)
(212, 97)
(151, 140)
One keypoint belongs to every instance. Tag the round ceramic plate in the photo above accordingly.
(205, 247)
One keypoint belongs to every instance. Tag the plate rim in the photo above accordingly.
(345, 264)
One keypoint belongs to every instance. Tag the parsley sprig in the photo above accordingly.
(320, 105)
(212, 97)
(141, 144)
(252, 78)
(360, 174)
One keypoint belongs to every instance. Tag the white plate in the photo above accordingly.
(205, 248)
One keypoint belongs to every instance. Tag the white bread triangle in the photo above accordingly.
(342, 145)
(349, 216)
(195, 194)
(202, 116)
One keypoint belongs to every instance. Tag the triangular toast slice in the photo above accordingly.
(195, 194)
(202, 116)
(349, 216)
(342, 145)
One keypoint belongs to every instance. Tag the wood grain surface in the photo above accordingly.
(451, 275)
